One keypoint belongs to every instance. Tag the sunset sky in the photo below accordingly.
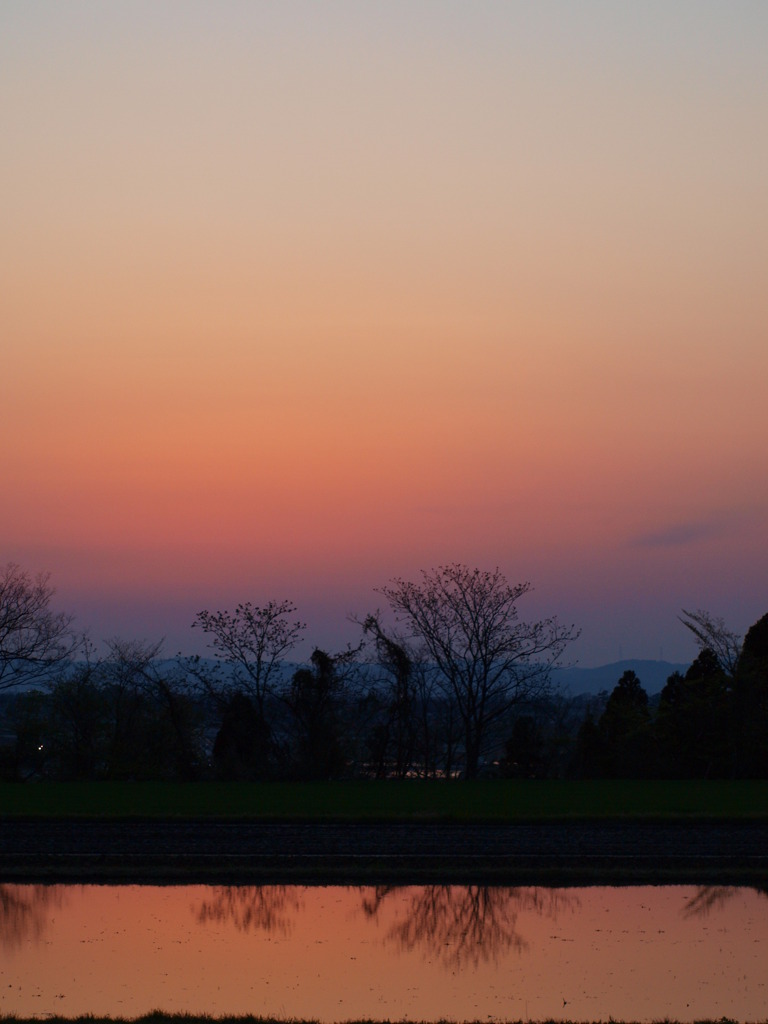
(296, 297)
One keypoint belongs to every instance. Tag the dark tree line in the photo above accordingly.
(711, 722)
(456, 686)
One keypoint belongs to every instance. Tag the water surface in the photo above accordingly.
(423, 952)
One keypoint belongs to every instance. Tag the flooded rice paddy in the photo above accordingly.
(333, 953)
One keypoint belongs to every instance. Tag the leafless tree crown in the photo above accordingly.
(253, 641)
(713, 635)
(487, 658)
(33, 638)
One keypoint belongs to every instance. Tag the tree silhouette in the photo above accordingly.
(242, 748)
(268, 908)
(692, 721)
(463, 925)
(488, 661)
(709, 897)
(624, 728)
(713, 635)
(25, 912)
(77, 721)
(395, 739)
(33, 639)
(252, 641)
(316, 700)
(750, 697)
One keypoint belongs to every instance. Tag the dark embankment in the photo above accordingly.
(550, 852)
(494, 831)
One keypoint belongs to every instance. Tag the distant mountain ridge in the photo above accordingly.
(652, 675)
(573, 681)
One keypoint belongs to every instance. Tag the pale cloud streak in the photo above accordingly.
(692, 531)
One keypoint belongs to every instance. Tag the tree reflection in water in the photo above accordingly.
(269, 908)
(710, 897)
(24, 912)
(464, 925)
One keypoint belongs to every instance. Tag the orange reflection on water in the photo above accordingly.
(425, 952)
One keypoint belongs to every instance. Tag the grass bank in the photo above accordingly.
(486, 800)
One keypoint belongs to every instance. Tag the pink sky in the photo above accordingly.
(296, 298)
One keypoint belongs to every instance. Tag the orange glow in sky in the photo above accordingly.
(296, 298)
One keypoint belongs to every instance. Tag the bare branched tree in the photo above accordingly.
(713, 635)
(487, 659)
(252, 641)
(34, 640)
